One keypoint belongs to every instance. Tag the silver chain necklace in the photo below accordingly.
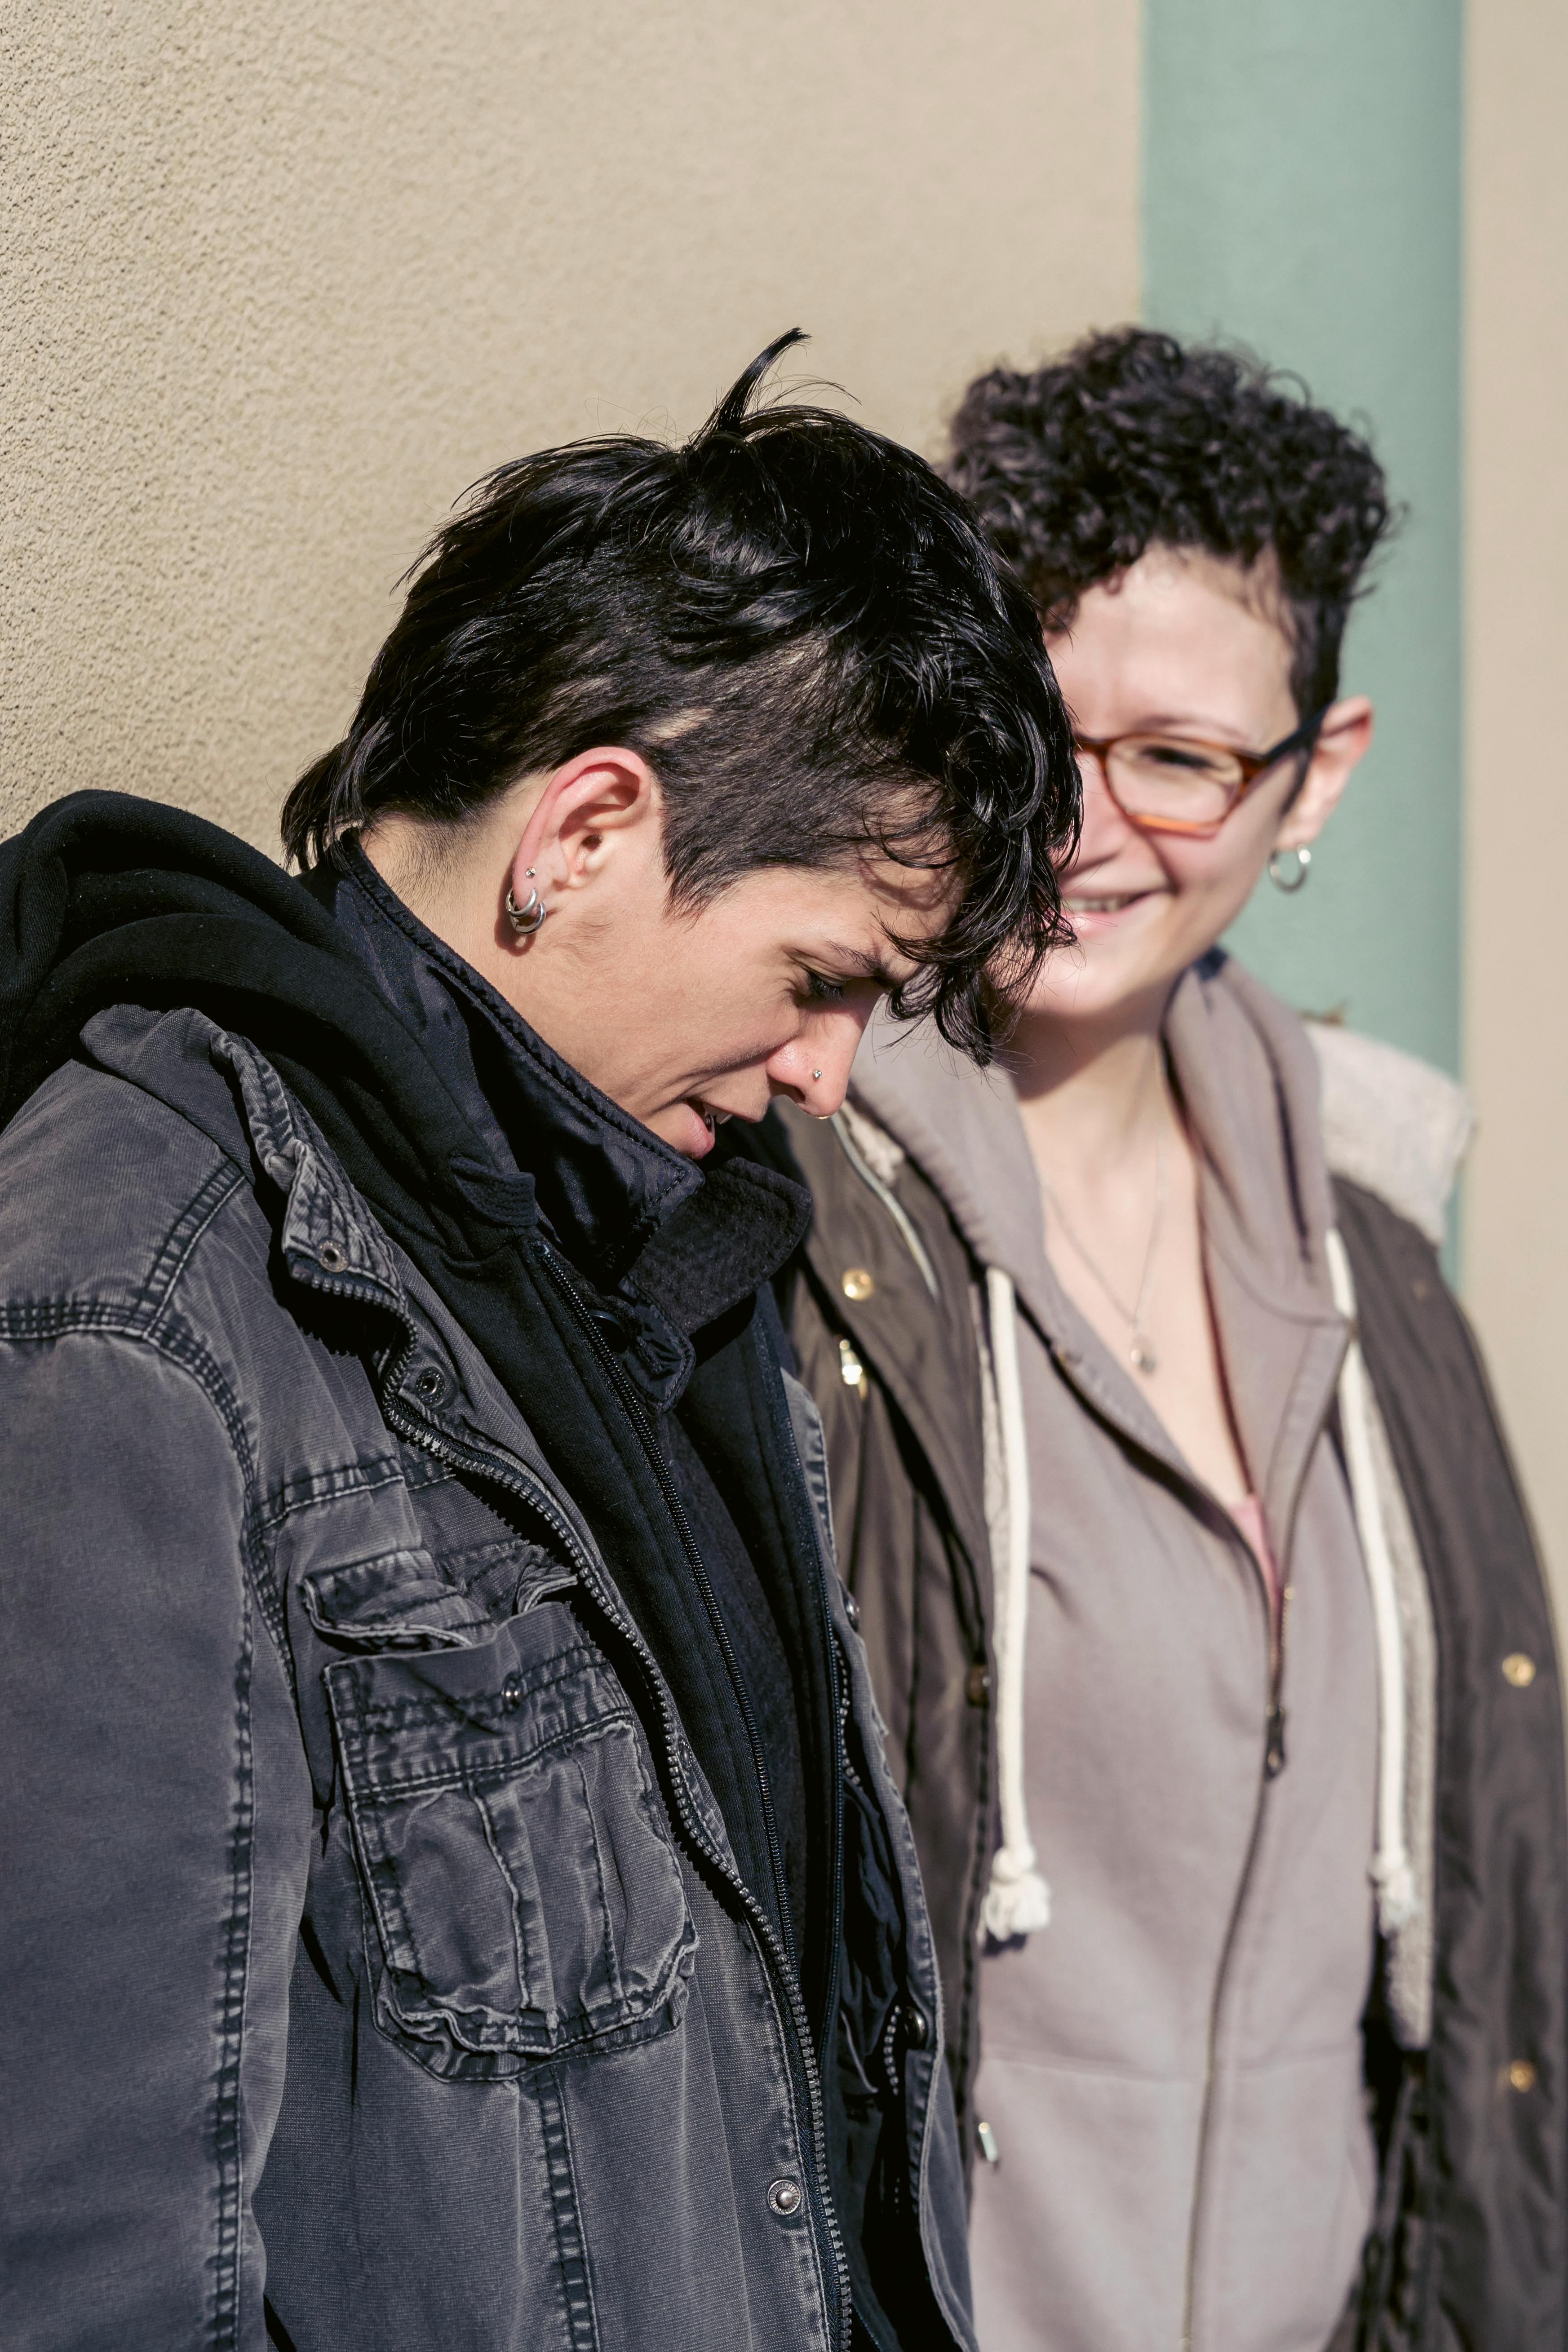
(1140, 1354)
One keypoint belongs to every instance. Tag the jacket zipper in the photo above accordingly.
(533, 1492)
(1273, 1765)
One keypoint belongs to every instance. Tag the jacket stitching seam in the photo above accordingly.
(225, 2262)
(566, 2215)
(174, 1254)
(344, 1483)
(377, 1792)
(61, 1319)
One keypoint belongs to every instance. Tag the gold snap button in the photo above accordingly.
(1522, 2076)
(857, 1284)
(1519, 1670)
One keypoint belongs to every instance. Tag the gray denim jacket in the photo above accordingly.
(375, 1974)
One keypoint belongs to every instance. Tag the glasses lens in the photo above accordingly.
(1160, 776)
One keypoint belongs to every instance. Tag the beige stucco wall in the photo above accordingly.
(1516, 947)
(281, 280)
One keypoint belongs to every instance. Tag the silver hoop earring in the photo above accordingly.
(1303, 858)
(525, 920)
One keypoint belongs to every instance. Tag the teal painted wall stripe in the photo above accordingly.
(1301, 194)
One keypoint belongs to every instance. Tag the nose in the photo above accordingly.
(815, 1066)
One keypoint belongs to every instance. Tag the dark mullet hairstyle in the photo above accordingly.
(795, 622)
(1134, 440)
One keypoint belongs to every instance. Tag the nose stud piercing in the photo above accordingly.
(817, 1074)
(526, 918)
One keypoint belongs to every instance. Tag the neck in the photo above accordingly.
(1093, 1095)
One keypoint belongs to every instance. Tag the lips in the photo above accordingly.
(706, 1122)
(1094, 913)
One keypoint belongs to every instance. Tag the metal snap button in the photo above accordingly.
(511, 1693)
(784, 2196)
(857, 1283)
(331, 1256)
(431, 1385)
(977, 1685)
(1522, 2076)
(851, 1609)
(1519, 1670)
(917, 2025)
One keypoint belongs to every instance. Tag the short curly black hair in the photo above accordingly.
(1133, 439)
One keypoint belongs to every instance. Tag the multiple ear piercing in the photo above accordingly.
(525, 920)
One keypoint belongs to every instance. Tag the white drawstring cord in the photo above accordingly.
(1392, 1875)
(1016, 1897)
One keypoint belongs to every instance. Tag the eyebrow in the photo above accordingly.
(862, 963)
(1216, 731)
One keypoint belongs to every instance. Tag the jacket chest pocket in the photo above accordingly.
(524, 1890)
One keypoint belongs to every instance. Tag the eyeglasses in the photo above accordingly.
(1169, 783)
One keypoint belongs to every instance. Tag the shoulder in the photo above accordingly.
(113, 1173)
(1392, 1126)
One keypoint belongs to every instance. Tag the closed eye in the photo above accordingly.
(820, 990)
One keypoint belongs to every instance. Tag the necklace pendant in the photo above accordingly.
(1141, 1356)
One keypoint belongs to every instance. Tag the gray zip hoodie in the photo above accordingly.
(1171, 2069)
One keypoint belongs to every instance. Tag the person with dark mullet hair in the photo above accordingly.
(1198, 1594)
(456, 1895)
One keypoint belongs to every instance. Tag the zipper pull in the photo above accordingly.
(1274, 1750)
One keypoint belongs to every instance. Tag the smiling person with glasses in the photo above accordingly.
(1198, 1594)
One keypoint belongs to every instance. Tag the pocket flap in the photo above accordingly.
(526, 1896)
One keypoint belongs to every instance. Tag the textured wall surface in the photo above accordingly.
(1302, 178)
(281, 280)
(1516, 839)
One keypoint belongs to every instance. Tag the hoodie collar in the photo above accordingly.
(1235, 1053)
(1248, 1079)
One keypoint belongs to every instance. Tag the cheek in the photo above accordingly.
(1215, 878)
(1211, 882)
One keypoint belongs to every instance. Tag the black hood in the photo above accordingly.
(108, 899)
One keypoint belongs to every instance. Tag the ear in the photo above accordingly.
(1341, 740)
(588, 809)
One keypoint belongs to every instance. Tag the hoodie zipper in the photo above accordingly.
(533, 1492)
(1273, 1765)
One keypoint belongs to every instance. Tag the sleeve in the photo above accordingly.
(155, 1810)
